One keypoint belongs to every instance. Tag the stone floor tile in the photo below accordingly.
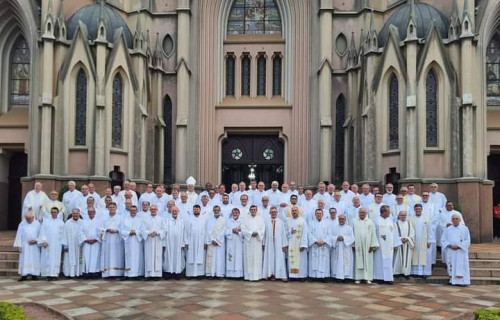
(80, 311)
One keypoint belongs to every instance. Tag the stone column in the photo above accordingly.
(100, 115)
(412, 146)
(325, 89)
(468, 132)
(47, 98)
(159, 171)
(183, 91)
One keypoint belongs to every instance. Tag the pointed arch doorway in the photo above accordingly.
(252, 156)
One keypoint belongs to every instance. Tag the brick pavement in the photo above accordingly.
(231, 299)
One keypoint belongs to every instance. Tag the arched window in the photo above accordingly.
(230, 66)
(81, 109)
(277, 75)
(493, 70)
(117, 113)
(261, 76)
(245, 75)
(339, 138)
(254, 17)
(20, 73)
(431, 115)
(167, 118)
(393, 112)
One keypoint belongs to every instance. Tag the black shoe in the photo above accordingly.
(23, 278)
(34, 278)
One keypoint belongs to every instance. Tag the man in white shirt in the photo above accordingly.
(389, 197)
(366, 197)
(71, 196)
(346, 195)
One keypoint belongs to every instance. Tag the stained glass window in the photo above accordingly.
(20, 73)
(493, 69)
(167, 117)
(254, 17)
(277, 75)
(393, 113)
(230, 66)
(431, 119)
(81, 109)
(245, 76)
(117, 112)
(261, 76)
(339, 138)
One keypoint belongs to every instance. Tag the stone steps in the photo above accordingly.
(474, 272)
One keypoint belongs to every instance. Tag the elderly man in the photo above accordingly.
(264, 208)
(274, 194)
(389, 197)
(365, 243)
(113, 252)
(398, 207)
(275, 244)
(353, 210)
(175, 241)
(216, 244)
(195, 239)
(388, 239)
(297, 246)
(27, 244)
(320, 244)
(153, 230)
(455, 242)
(234, 245)
(54, 202)
(437, 198)
(421, 265)
(253, 229)
(404, 253)
(93, 193)
(90, 241)
(339, 205)
(374, 207)
(443, 221)
(366, 197)
(346, 195)
(130, 231)
(71, 196)
(259, 193)
(35, 200)
(342, 266)
(192, 195)
(308, 206)
(71, 243)
(51, 240)
(321, 193)
(148, 195)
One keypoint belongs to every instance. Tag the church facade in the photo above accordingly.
(227, 90)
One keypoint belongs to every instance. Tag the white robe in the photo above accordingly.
(444, 218)
(342, 255)
(29, 258)
(35, 200)
(352, 214)
(347, 196)
(457, 261)
(365, 237)
(195, 255)
(216, 254)
(253, 246)
(234, 249)
(226, 210)
(319, 257)
(422, 256)
(308, 207)
(70, 199)
(374, 210)
(404, 253)
(72, 266)
(175, 240)
(153, 246)
(112, 250)
(91, 253)
(274, 263)
(397, 208)
(274, 197)
(134, 246)
(51, 233)
(366, 199)
(297, 260)
(383, 257)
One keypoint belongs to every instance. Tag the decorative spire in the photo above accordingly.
(352, 54)
(101, 35)
(60, 21)
(138, 27)
(48, 32)
(158, 52)
(411, 28)
(467, 27)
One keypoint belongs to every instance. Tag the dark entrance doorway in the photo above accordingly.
(494, 175)
(260, 157)
(18, 168)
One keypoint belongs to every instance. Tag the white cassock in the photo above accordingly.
(48, 205)
(226, 210)
(397, 208)
(134, 246)
(388, 239)
(216, 254)
(389, 199)
(184, 210)
(325, 196)
(274, 197)
(457, 261)
(438, 199)
(175, 240)
(366, 199)
(411, 200)
(72, 266)
(29, 258)
(91, 253)
(161, 203)
(264, 212)
(192, 197)
(374, 210)
(444, 218)
(308, 207)
(70, 199)
(195, 255)
(253, 246)
(297, 239)
(234, 248)
(244, 210)
(275, 239)
(347, 196)
(112, 250)
(352, 214)
(430, 211)
(153, 246)
(365, 237)
(342, 255)
(34, 200)
(146, 196)
(319, 256)
(340, 206)
(421, 264)
(404, 253)
(257, 197)
(52, 234)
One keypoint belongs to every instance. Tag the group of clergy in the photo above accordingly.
(250, 233)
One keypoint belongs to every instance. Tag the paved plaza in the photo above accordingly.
(231, 299)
